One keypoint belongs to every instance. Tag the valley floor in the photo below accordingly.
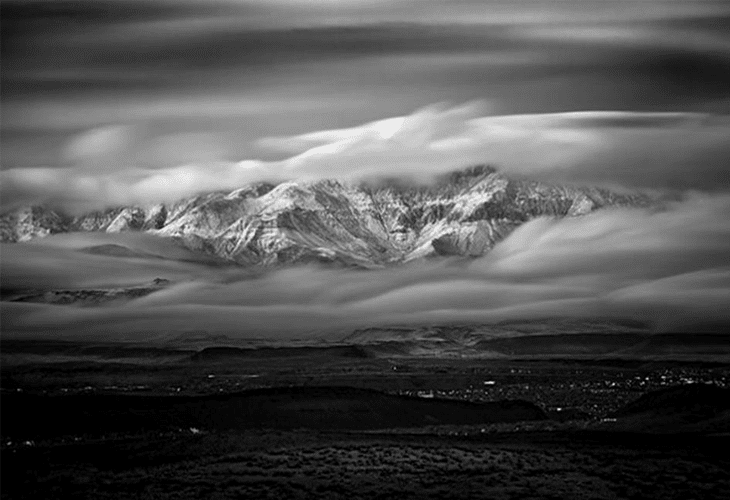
(573, 450)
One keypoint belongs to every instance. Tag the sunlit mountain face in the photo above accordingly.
(309, 169)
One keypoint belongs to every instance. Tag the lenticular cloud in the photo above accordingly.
(646, 150)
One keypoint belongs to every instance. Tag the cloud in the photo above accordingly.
(98, 143)
(88, 63)
(288, 13)
(631, 149)
(243, 70)
(171, 150)
(63, 262)
(669, 267)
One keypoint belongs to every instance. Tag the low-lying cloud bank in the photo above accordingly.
(669, 267)
(631, 149)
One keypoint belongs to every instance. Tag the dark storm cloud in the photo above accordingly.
(112, 52)
(29, 16)
(87, 48)
(133, 59)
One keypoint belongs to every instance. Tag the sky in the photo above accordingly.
(110, 102)
(118, 93)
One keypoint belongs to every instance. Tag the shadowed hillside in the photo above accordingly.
(213, 354)
(287, 408)
(686, 408)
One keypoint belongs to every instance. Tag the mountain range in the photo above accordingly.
(367, 225)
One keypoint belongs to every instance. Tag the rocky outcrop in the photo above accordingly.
(28, 223)
(90, 296)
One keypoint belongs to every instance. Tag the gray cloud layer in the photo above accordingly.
(631, 149)
(669, 267)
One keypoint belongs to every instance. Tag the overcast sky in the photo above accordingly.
(129, 87)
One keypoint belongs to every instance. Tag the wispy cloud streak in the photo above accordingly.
(636, 150)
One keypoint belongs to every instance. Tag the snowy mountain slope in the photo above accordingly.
(367, 225)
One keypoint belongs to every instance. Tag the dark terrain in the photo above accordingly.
(208, 418)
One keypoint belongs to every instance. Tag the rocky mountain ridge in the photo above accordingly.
(365, 225)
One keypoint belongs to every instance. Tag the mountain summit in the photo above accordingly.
(366, 225)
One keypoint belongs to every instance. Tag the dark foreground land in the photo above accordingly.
(120, 421)
(316, 464)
